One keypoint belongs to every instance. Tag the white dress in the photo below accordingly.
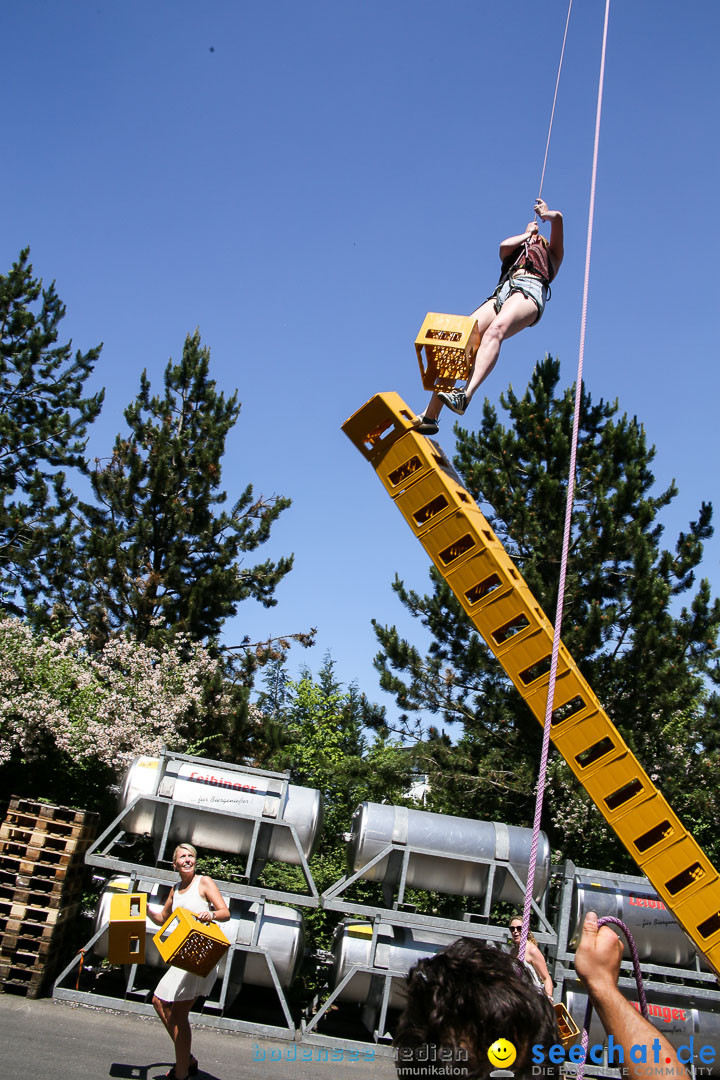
(176, 984)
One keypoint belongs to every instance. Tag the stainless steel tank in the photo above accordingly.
(281, 935)
(398, 949)
(671, 1014)
(374, 825)
(224, 792)
(658, 937)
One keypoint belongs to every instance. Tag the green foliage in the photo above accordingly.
(318, 731)
(43, 424)
(158, 556)
(71, 719)
(642, 630)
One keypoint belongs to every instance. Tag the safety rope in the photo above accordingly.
(642, 1000)
(568, 518)
(552, 111)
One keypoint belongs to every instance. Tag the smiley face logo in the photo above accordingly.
(502, 1054)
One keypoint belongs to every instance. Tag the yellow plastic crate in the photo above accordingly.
(649, 830)
(407, 460)
(431, 499)
(480, 580)
(699, 915)
(446, 347)
(619, 787)
(589, 745)
(457, 538)
(186, 942)
(380, 422)
(680, 871)
(126, 932)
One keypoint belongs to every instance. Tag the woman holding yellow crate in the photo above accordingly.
(177, 991)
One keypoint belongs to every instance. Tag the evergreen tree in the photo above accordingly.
(643, 631)
(158, 557)
(43, 424)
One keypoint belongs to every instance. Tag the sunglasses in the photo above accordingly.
(515, 929)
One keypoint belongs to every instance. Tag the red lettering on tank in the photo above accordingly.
(663, 1012)
(646, 902)
(217, 781)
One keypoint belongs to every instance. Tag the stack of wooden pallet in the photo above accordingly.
(41, 880)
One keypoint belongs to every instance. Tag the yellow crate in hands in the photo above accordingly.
(186, 942)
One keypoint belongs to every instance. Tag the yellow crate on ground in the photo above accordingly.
(186, 942)
(126, 933)
(446, 347)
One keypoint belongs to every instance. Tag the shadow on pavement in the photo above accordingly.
(156, 1071)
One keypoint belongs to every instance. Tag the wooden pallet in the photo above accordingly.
(16, 980)
(15, 915)
(19, 941)
(38, 899)
(41, 834)
(47, 812)
(18, 864)
(41, 886)
(52, 853)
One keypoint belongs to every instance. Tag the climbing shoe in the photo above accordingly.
(425, 425)
(456, 400)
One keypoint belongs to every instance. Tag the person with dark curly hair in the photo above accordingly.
(459, 1003)
(473, 998)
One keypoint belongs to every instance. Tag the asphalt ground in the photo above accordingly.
(43, 1039)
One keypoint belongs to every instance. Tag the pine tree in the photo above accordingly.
(43, 424)
(643, 631)
(158, 556)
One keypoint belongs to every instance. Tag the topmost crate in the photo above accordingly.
(446, 347)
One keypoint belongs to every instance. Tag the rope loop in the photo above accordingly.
(642, 999)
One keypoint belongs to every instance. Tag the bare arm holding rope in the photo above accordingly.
(597, 962)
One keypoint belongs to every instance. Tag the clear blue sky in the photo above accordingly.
(303, 182)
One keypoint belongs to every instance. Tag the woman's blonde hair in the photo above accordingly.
(184, 847)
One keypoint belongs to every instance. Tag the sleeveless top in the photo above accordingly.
(190, 900)
(533, 256)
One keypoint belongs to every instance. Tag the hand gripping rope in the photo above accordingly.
(642, 1000)
(568, 517)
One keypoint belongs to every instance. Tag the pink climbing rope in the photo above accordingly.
(552, 111)
(568, 519)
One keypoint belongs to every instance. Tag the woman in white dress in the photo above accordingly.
(176, 992)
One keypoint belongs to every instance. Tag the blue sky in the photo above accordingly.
(304, 182)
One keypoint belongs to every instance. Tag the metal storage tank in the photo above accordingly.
(224, 792)
(281, 935)
(375, 825)
(398, 948)
(658, 937)
(671, 1014)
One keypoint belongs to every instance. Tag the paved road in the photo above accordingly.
(49, 1040)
